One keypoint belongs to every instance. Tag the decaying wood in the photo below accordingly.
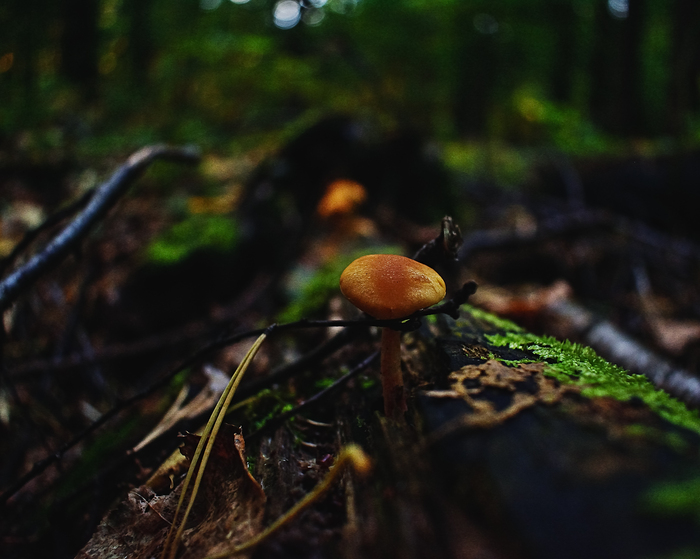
(615, 345)
(496, 459)
(228, 513)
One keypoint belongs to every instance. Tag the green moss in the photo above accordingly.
(572, 363)
(195, 232)
(251, 463)
(492, 320)
(310, 290)
(278, 409)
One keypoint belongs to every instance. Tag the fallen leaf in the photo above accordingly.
(205, 400)
(227, 512)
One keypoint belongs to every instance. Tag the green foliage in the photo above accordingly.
(497, 161)
(532, 71)
(194, 232)
(572, 363)
(564, 126)
(323, 383)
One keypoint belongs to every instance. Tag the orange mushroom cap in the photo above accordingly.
(388, 286)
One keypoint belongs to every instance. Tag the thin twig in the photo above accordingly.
(121, 179)
(316, 398)
(194, 331)
(351, 455)
(408, 324)
(49, 222)
(103, 199)
(442, 248)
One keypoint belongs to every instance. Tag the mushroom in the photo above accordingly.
(388, 286)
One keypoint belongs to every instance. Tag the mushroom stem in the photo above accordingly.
(392, 379)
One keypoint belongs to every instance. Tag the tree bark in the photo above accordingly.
(514, 446)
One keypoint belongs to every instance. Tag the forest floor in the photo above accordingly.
(151, 312)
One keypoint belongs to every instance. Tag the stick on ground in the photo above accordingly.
(104, 198)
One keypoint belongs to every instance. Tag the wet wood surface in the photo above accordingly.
(495, 459)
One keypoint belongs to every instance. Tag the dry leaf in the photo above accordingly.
(202, 402)
(227, 512)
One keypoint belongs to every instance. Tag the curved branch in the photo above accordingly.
(102, 200)
(52, 220)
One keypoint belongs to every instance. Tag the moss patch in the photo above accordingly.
(571, 363)
(310, 290)
(195, 232)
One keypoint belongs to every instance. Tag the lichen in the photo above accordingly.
(572, 363)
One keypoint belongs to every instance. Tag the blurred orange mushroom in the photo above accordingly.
(342, 196)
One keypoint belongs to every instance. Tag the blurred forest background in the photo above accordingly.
(583, 76)
(512, 116)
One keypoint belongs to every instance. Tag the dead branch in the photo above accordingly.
(49, 222)
(442, 248)
(619, 348)
(578, 222)
(103, 199)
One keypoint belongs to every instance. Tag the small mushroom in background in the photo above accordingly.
(388, 286)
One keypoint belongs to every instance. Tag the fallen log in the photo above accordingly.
(514, 446)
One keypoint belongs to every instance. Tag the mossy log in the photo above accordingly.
(514, 446)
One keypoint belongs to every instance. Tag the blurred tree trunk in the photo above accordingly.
(616, 84)
(564, 21)
(79, 44)
(684, 87)
(629, 102)
(476, 71)
(140, 48)
(22, 30)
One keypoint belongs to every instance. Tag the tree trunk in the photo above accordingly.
(79, 44)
